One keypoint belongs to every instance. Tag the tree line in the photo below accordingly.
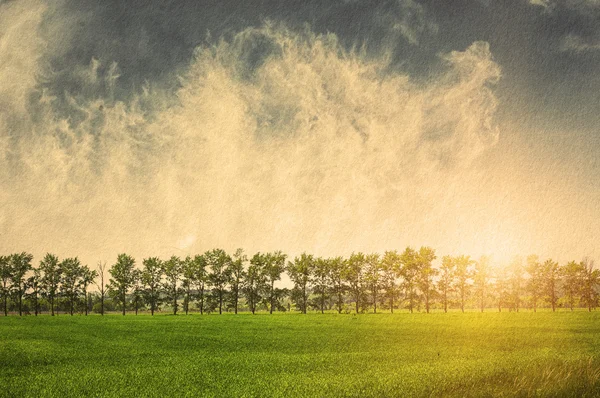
(217, 281)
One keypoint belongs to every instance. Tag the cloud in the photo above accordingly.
(578, 44)
(274, 138)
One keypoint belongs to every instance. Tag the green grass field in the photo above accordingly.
(455, 354)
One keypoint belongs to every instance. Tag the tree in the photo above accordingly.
(480, 280)
(426, 273)
(446, 281)
(516, 282)
(320, 280)
(462, 273)
(502, 287)
(274, 267)
(70, 281)
(172, 269)
(5, 275)
(88, 277)
(100, 270)
(353, 275)
(218, 262)
(534, 281)
(255, 281)
(551, 277)
(122, 278)
(237, 275)
(151, 278)
(188, 281)
(137, 293)
(20, 265)
(336, 279)
(409, 273)
(33, 285)
(201, 279)
(572, 273)
(390, 269)
(591, 280)
(51, 268)
(373, 278)
(300, 272)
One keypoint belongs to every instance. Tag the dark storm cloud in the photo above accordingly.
(549, 54)
(154, 40)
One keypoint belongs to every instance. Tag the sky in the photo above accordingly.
(172, 127)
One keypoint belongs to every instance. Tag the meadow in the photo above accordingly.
(369, 355)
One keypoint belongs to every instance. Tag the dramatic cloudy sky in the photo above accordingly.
(172, 127)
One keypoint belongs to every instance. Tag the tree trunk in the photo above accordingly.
(236, 298)
(375, 301)
(392, 302)
(445, 301)
(220, 301)
(272, 288)
(304, 299)
(123, 298)
(323, 302)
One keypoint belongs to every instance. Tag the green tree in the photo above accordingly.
(33, 286)
(5, 275)
(237, 273)
(551, 278)
(137, 291)
(353, 275)
(172, 269)
(502, 288)
(462, 278)
(122, 278)
(201, 279)
(52, 274)
(274, 267)
(88, 277)
(591, 281)
(426, 273)
(336, 280)
(446, 281)
(572, 273)
(373, 277)
(219, 277)
(516, 281)
(534, 280)
(71, 281)
(390, 267)
(409, 273)
(151, 278)
(320, 280)
(20, 265)
(481, 279)
(300, 272)
(255, 282)
(188, 281)
(100, 283)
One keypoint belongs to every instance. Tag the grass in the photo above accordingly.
(383, 355)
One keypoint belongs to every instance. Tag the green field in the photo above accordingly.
(387, 355)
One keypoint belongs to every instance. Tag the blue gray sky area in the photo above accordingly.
(549, 52)
(495, 103)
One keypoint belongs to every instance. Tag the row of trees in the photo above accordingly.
(217, 281)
